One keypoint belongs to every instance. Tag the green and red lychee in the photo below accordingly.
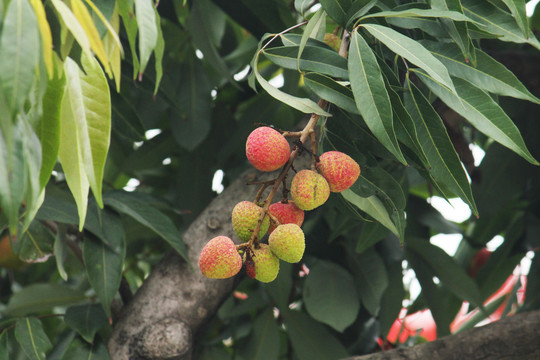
(288, 243)
(245, 216)
(266, 263)
(219, 259)
(309, 190)
(339, 169)
(267, 149)
(285, 213)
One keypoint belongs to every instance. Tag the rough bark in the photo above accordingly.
(165, 314)
(512, 338)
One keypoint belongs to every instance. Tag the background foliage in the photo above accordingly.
(86, 81)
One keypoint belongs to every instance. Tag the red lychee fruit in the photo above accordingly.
(245, 216)
(339, 169)
(285, 213)
(309, 190)
(219, 259)
(267, 149)
(287, 242)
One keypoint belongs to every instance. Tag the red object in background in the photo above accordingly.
(421, 323)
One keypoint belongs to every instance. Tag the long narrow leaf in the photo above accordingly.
(32, 338)
(148, 34)
(46, 36)
(517, 7)
(370, 94)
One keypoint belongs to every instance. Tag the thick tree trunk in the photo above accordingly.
(512, 338)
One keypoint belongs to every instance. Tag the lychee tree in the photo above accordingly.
(335, 126)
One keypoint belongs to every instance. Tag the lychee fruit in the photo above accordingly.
(245, 216)
(339, 169)
(285, 213)
(288, 243)
(219, 259)
(266, 263)
(267, 149)
(309, 190)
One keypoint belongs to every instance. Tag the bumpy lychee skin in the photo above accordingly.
(245, 216)
(339, 169)
(288, 243)
(309, 190)
(266, 264)
(267, 149)
(285, 213)
(219, 259)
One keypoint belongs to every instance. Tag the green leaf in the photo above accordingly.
(489, 74)
(79, 350)
(373, 206)
(280, 288)
(125, 10)
(39, 298)
(330, 90)
(497, 22)
(370, 277)
(446, 167)
(310, 340)
(4, 341)
(132, 205)
(148, 32)
(337, 10)
(32, 338)
(35, 244)
(371, 233)
(317, 21)
(19, 53)
(370, 94)
(49, 127)
(104, 261)
(264, 343)
(73, 25)
(422, 13)
(447, 270)
(86, 320)
(517, 7)
(301, 104)
(482, 112)
(330, 295)
(358, 9)
(411, 50)
(392, 298)
(317, 59)
(59, 249)
(192, 127)
(159, 51)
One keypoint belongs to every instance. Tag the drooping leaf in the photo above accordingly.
(445, 167)
(280, 288)
(19, 53)
(37, 298)
(46, 36)
(35, 244)
(447, 270)
(488, 74)
(370, 94)
(104, 265)
(422, 13)
(148, 33)
(4, 343)
(497, 22)
(32, 338)
(86, 320)
(113, 50)
(73, 25)
(391, 301)
(411, 50)
(373, 207)
(125, 10)
(60, 250)
(310, 340)
(517, 7)
(317, 21)
(317, 59)
(49, 126)
(482, 112)
(264, 343)
(159, 51)
(370, 277)
(131, 205)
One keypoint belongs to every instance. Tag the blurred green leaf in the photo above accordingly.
(370, 94)
(421, 13)
(280, 288)
(148, 32)
(264, 342)
(125, 10)
(445, 167)
(310, 340)
(337, 10)
(482, 112)
(32, 338)
(4, 341)
(36, 243)
(370, 277)
(330, 295)
(86, 320)
(19, 53)
(37, 298)
(392, 298)
(131, 205)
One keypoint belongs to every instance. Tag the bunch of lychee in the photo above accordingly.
(268, 150)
